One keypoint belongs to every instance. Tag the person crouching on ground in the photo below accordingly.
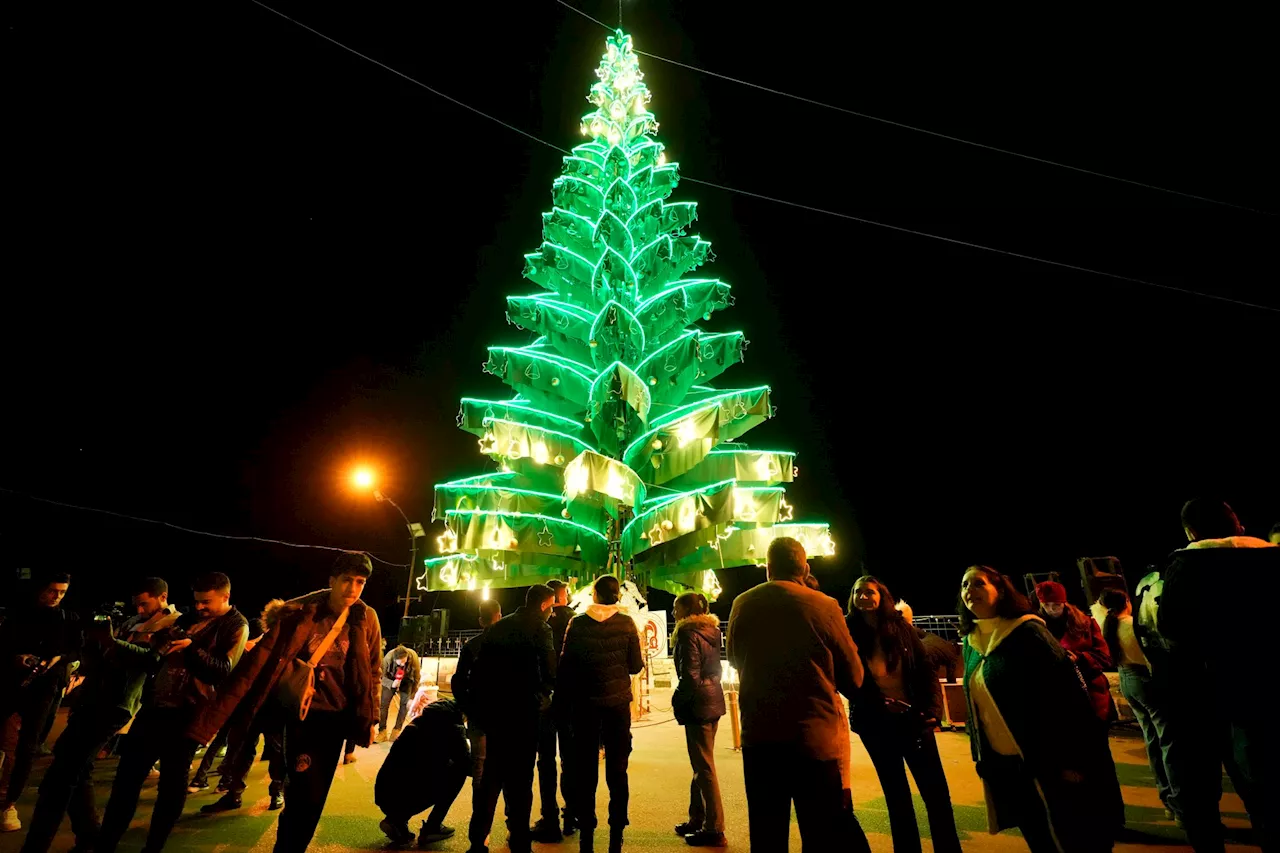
(434, 741)
(698, 703)
(601, 653)
(348, 676)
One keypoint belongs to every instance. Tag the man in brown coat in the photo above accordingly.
(348, 680)
(794, 655)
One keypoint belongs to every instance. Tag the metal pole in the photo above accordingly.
(413, 550)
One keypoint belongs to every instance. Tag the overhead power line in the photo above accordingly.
(182, 529)
(792, 204)
(904, 126)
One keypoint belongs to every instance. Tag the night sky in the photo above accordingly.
(240, 259)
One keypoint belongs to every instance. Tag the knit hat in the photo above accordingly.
(1051, 592)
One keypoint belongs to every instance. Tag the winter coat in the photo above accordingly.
(919, 682)
(1038, 694)
(431, 748)
(119, 675)
(601, 653)
(698, 697)
(412, 669)
(1242, 563)
(1093, 659)
(460, 683)
(793, 650)
(514, 673)
(561, 614)
(290, 625)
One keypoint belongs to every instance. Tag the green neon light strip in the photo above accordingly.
(582, 181)
(777, 452)
(701, 388)
(667, 500)
(641, 210)
(465, 480)
(432, 561)
(605, 254)
(523, 405)
(682, 336)
(539, 429)
(512, 514)
(655, 242)
(822, 524)
(679, 413)
(559, 498)
(558, 360)
(624, 310)
(592, 163)
(714, 335)
(568, 251)
(681, 286)
(543, 299)
(578, 216)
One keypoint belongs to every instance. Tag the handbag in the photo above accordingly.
(297, 685)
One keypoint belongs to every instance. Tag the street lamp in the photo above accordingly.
(363, 478)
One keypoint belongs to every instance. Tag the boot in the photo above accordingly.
(615, 839)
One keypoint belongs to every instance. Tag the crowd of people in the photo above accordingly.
(312, 678)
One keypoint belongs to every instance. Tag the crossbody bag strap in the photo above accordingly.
(330, 637)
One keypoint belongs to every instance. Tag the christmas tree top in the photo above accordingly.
(616, 454)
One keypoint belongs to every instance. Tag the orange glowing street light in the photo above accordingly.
(363, 478)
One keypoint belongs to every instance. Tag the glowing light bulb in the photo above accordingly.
(540, 454)
(657, 444)
(686, 433)
(576, 480)
(765, 469)
(484, 593)
(471, 582)
(662, 159)
(688, 513)
(616, 486)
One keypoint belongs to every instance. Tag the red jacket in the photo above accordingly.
(1093, 659)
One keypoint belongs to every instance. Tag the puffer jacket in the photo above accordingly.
(289, 626)
(601, 653)
(698, 697)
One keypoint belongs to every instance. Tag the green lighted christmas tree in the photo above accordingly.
(616, 453)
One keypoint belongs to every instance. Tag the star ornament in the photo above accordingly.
(488, 443)
(786, 511)
(545, 539)
(655, 534)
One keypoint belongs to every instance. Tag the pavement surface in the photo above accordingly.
(659, 779)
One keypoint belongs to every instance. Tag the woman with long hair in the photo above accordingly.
(895, 713)
(698, 703)
(1032, 724)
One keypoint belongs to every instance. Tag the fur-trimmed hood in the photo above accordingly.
(278, 608)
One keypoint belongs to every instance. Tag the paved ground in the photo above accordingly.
(659, 789)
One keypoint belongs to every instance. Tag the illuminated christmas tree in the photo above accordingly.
(617, 453)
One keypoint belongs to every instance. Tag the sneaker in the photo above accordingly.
(398, 833)
(9, 820)
(395, 734)
(225, 803)
(277, 802)
(349, 758)
(683, 829)
(432, 834)
(198, 785)
(705, 838)
(223, 787)
(546, 831)
(383, 735)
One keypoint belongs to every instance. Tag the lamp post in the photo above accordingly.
(363, 479)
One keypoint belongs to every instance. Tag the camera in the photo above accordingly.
(112, 612)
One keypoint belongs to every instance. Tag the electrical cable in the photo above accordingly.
(199, 532)
(814, 102)
(798, 205)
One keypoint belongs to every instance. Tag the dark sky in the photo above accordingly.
(239, 258)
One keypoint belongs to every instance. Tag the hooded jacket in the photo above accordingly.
(289, 625)
(434, 739)
(1241, 563)
(601, 653)
(698, 697)
(412, 669)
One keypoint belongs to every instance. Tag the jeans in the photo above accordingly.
(553, 728)
(312, 749)
(68, 783)
(240, 755)
(387, 695)
(705, 810)
(1252, 760)
(592, 728)
(33, 704)
(1143, 695)
(512, 748)
(210, 754)
(897, 739)
(778, 774)
(156, 734)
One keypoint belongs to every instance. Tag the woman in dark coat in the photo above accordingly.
(1032, 726)
(895, 713)
(698, 703)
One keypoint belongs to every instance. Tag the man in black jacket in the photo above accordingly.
(38, 643)
(554, 725)
(601, 653)
(435, 739)
(1220, 556)
(196, 655)
(490, 613)
(117, 666)
(509, 688)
